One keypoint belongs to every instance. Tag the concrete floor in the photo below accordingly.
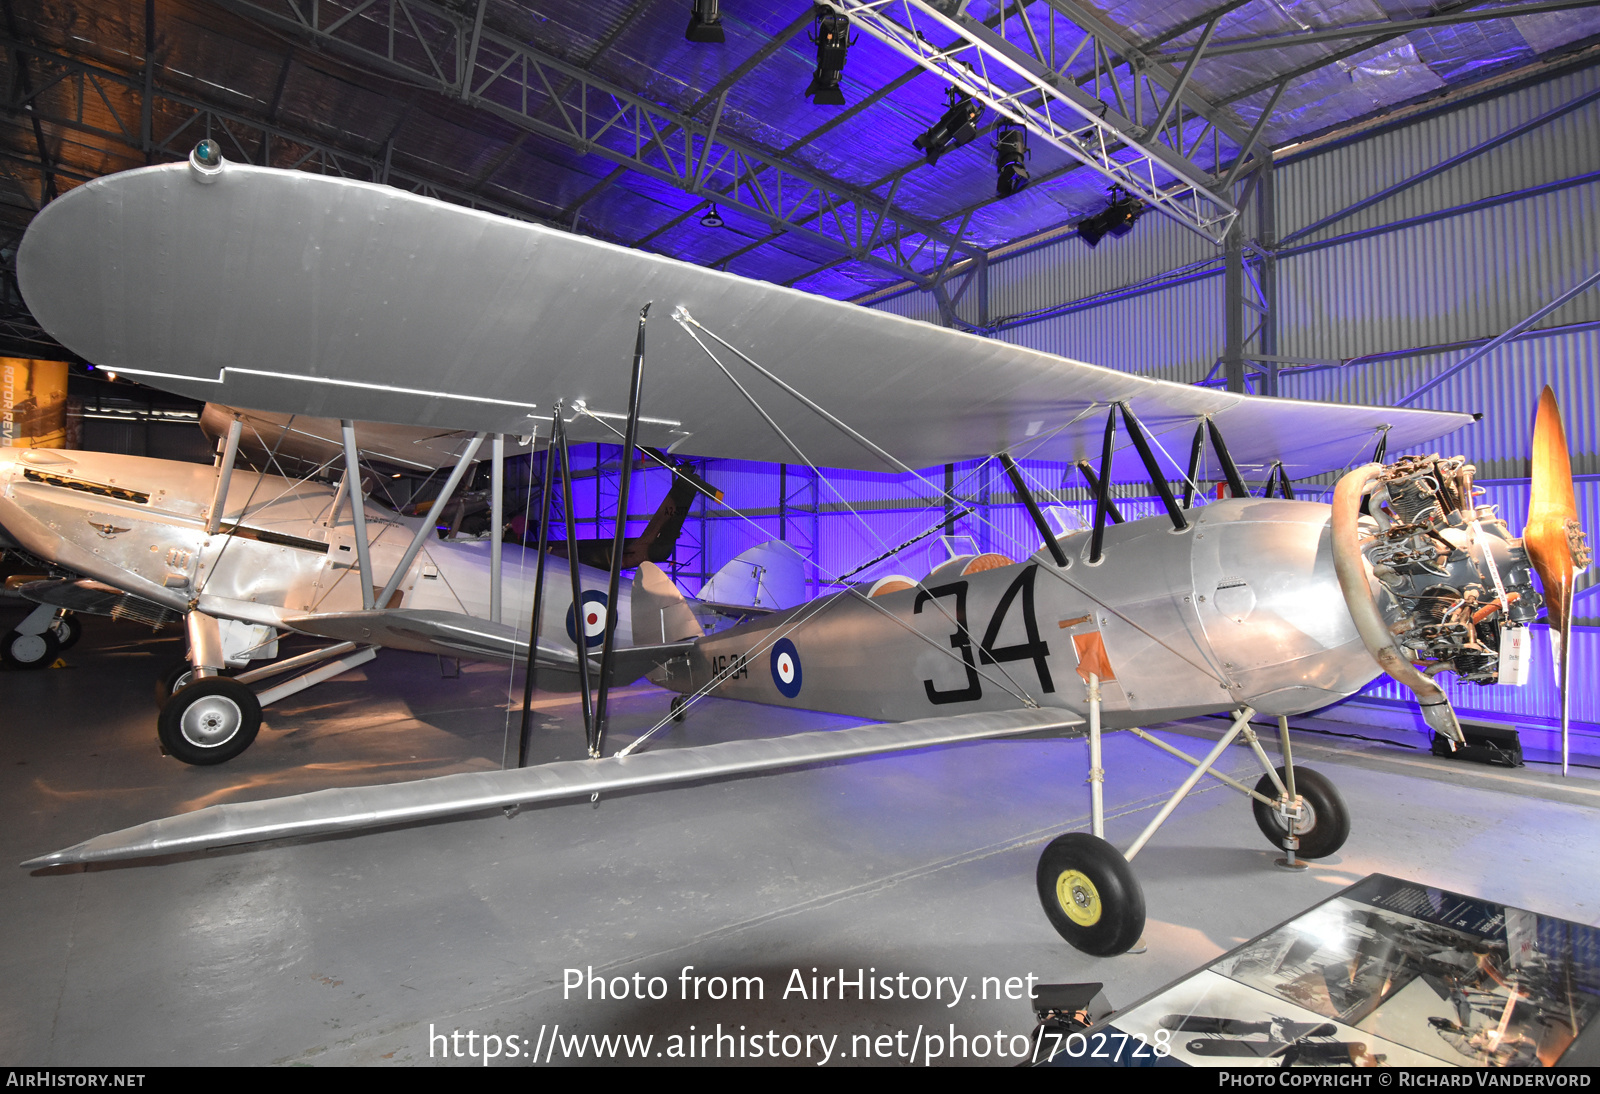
(351, 950)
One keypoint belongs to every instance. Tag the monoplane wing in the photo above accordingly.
(452, 634)
(309, 294)
(345, 810)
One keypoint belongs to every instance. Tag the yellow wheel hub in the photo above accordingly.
(1078, 898)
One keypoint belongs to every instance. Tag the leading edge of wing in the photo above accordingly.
(298, 293)
(350, 809)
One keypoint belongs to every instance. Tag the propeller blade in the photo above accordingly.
(1554, 539)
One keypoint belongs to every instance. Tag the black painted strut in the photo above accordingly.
(618, 540)
(580, 634)
(538, 592)
(1033, 508)
(1153, 469)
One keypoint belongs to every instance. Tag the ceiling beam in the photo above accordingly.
(1023, 88)
(1386, 27)
(517, 82)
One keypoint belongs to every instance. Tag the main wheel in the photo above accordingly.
(209, 722)
(1325, 824)
(680, 705)
(1090, 894)
(67, 630)
(174, 678)
(30, 651)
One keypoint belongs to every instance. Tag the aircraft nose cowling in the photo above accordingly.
(1269, 601)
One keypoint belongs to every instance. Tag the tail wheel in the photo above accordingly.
(1324, 823)
(209, 722)
(1090, 894)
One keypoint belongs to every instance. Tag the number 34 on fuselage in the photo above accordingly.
(1242, 607)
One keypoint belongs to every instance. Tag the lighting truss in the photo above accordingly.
(452, 52)
(1058, 113)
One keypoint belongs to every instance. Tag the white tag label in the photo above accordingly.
(1516, 655)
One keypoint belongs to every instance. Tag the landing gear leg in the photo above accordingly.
(33, 645)
(1298, 809)
(208, 718)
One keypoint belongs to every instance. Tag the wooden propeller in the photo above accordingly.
(1554, 539)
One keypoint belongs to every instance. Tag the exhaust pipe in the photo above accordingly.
(1351, 569)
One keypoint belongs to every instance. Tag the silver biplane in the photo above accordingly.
(309, 295)
(244, 557)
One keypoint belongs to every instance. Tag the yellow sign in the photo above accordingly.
(33, 403)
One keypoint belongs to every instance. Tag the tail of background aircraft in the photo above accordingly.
(770, 576)
(660, 535)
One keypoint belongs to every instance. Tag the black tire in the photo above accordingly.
(680, 707)
(209, 722)
(30, 651)
(1327, 823)
(1090, 894)
(68, 629)
(175, 677)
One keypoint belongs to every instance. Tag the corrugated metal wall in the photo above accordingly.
(1323, 184)
(1467, 276)
(1410, 272)
(1176, 334)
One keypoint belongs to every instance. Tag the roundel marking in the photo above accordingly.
(786, 668)
(595, 619)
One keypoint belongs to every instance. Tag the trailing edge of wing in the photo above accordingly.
(346, 810)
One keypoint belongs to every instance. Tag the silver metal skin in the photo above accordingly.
(1241, 609)
(353, 809)
(299, 293)
(293, 564)
(211, 721)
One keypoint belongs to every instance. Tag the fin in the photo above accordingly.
(660, 612)
(769, 576)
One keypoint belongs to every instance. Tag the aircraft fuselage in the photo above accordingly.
(1241, 608)
(286, 548)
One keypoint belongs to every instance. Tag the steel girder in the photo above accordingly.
(1378, 28)
(151, 122)
(1018, 85)
(425, 44)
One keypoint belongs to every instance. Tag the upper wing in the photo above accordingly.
(317, 441)
(306, 294)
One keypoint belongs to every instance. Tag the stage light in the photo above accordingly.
(705, 22)
(958, 126)
(1010, 154)
(712, 219)
(1115, 219)
(831, 35)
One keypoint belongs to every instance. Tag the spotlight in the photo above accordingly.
(1010, 152)
(705, 23)
(1115, 219)
(831, 36)
(957, 127)
(712, 219)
